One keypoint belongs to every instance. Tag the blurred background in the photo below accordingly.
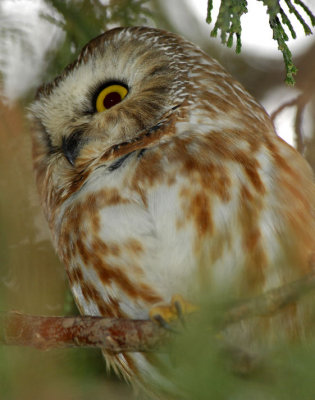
(38, 38)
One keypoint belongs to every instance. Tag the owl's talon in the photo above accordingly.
(161, 321)
(180, 313)
(177, 309)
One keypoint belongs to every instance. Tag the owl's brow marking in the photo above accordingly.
(116, 164)
(141, 152)
(154, 128)
(133, 142)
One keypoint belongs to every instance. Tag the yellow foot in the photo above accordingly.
(165, 313)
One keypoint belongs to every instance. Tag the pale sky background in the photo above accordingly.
(258, 39)
(21, 71)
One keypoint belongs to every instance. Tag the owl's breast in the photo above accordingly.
(120, 240)
(190, 215)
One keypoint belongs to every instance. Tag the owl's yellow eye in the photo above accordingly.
(110, 96)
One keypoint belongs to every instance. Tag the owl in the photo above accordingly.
(160, 176)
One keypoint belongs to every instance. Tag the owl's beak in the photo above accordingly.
(71, 146)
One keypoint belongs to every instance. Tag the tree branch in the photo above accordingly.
(272, 301)
(300, 103)
(113, 334)
(124, 335)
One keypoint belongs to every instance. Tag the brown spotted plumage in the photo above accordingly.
(181, 187)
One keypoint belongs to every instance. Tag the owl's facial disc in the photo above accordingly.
(123, 84)
(105, 97)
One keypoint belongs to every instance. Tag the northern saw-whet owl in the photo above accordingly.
(160, 175)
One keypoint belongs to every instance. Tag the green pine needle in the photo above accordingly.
(307, 11)
(229, 24)
(238, 44)
(209, 9)
(293, 10)
(230, 40)
(286, 21)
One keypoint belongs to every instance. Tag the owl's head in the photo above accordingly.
(124, 83)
